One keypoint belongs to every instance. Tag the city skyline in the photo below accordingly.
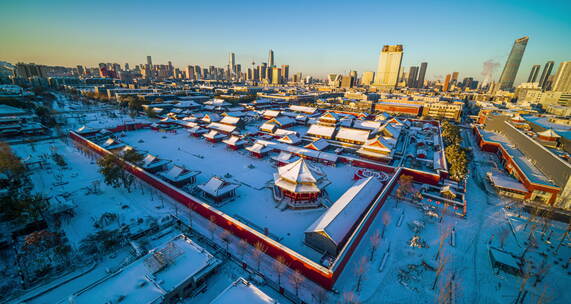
(76, 36)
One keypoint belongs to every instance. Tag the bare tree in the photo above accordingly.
(360, 270)
(541, 272)
(386, 222)
(296, 280)
(226, 237)
(320, 295)
(564, 236)
(524, 279)
(444, 212)
(503, 235)
(258, 254)
(242, 248)
(190, 217)
(444, 233)
(350, 297)
(375, 243)
(444, 295)
(531, 241)
(212, 226)
(439, 269)
(280, 266)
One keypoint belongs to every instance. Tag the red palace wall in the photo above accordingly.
(313, 271)
(309, 269)
(398, 109)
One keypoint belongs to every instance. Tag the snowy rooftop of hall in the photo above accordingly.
(242, 291)
(521, 160)
(148, 279)
(337, 221)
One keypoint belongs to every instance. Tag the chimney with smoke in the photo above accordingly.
(488, 69)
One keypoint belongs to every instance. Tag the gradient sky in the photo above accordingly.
(313, 37)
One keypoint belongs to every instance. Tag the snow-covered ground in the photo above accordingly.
(401, 274)
(409, 272)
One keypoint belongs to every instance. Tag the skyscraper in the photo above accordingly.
(367, 78)
(353, 74)
(150, 62)
(27, 70)
(412, 77)
(276, 75)
(547, 68)
(271, 59)
(446, 85)
(533, 74)
(232, 60)
(285, 73)
(512, 64)
(454, 78)
(562, 81)
(388, 70)
(421, 75)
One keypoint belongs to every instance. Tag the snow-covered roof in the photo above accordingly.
(211, 117)
(271, 113)
(213, 134)
(320, 130)
(380, 143)
(367, 124)
(282, 132)
(177, 173)
(438, 163)
(503, 181)
(150, 161)
(217, 187)
(352, 134)
(187, 124)
(283, 157)
(85, 129)
(290, 139)
(217, 103)
(549, 133)
(505, 258)
(268, 127)
(242, 291)
(331, 116)
(149, 279)
(302, 109)
(281, 121)
(187, 104)
(197, 130)
(338, 220)
(112, 143)
(221, 127)
(230, 120)
(318, 145)
(298, 172)
(234, 140)
(258, 148)
(391, 129)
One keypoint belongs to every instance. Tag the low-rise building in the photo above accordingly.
(155, 278)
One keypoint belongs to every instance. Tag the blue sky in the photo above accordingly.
(313, 37)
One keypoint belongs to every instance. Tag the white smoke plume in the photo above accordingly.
(488, 69)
